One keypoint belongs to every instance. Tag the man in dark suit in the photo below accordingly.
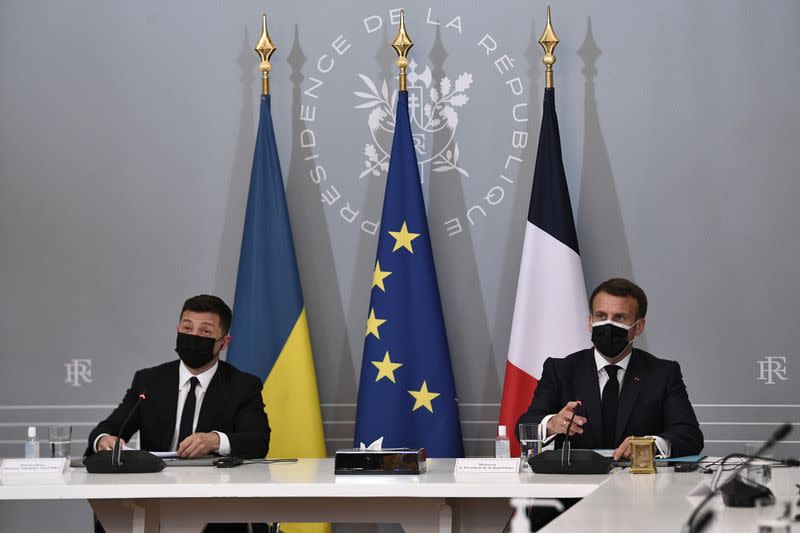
(196, 405)
(623, 391)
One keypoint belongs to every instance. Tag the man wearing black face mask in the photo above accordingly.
(195, 405)
(623, 391)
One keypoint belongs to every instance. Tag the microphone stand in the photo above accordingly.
(116, 453)
(566, 448)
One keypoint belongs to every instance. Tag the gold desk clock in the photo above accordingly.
(643, 459)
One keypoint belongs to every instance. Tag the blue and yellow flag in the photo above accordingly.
(406, 394)
(269, 329)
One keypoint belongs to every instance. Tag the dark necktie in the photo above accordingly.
(187, 417)
(610, 404)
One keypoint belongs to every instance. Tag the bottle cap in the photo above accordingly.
(501, 431)
(31, 432)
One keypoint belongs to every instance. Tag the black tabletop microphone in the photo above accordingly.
(117, 461)
(567, 460)
(741, 492)
(737, 492)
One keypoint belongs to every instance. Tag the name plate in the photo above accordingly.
(48, 465)
(486, 465)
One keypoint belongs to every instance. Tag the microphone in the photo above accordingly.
(116, 454)
(566, 448)
(554, 436)
(567, 461)
(136, 461)
(735, 491)
(743, 492)
(776, 437)
(704, 521)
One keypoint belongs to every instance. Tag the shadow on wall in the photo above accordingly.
(601, 228)
(522, 197)
(361, 283)
(471, 351)
(230, 246)
(326, 319)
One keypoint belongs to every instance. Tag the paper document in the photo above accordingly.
(165, 455)
(684, 459)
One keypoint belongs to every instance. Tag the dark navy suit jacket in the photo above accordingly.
(232, 405)
(652, 401)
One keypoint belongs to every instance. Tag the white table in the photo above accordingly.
(183, 499)
(659, 503)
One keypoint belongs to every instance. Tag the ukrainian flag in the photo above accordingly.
(270, 329)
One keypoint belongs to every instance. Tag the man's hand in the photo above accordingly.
(624, 450)
(107, 442)
(198, 445)
(559, 423)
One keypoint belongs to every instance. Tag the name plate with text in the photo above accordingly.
(48, 465)
(486, 465)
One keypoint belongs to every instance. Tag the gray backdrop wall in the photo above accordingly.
(126, 137)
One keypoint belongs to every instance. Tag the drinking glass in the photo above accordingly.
(60, 438)
(529, 444)
(754, 472)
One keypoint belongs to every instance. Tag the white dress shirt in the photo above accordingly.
(184, 376)
(664, 447)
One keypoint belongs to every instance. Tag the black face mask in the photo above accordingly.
(610, 338)
(195, 351)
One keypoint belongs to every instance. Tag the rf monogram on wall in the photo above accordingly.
(78, 371)
(771, 368)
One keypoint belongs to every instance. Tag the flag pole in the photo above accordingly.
(402, 44)
(265, 48)
(549, 40)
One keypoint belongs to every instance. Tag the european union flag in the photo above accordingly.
(406, 394)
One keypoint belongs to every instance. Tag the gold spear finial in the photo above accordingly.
(402, 44)
(548, 40)
(265, 48)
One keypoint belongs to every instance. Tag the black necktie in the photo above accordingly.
(610, 403)
(187, 417)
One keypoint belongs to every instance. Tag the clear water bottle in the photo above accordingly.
(502, 446)
(31, 444)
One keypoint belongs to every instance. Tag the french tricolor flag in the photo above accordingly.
(550, 314)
